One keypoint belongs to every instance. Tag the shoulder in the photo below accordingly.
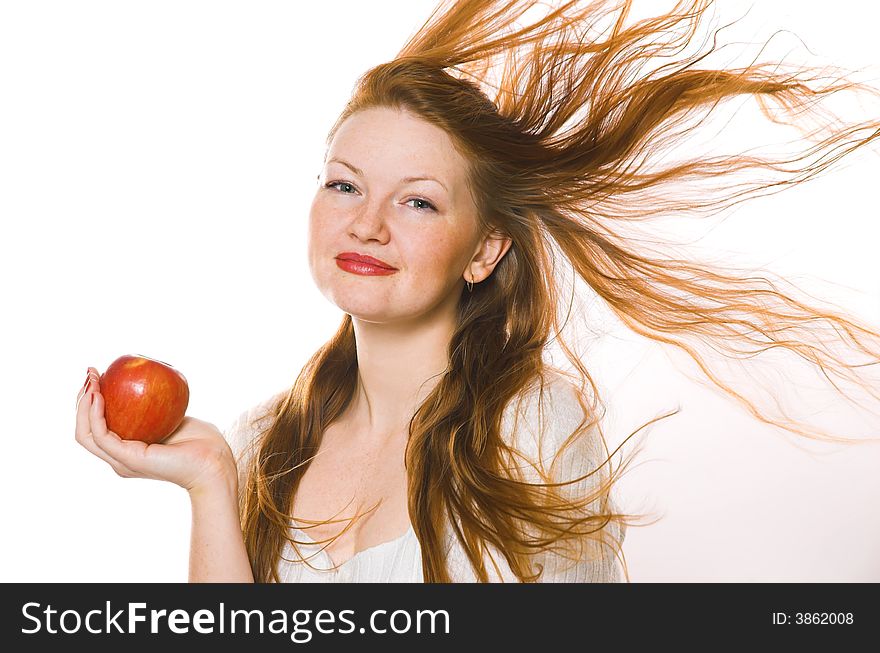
(242, 433)
(542, 419)
(556, 437)
(559, 434)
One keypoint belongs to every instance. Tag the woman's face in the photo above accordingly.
(369, 203)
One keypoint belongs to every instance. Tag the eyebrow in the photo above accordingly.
(406, 180)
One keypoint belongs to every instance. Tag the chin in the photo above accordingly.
(360, 303)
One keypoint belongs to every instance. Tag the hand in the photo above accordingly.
(195, 456)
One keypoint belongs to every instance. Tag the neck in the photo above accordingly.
(398, 367)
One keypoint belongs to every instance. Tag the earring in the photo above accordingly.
(471, 285)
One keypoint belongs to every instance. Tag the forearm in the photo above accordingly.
(217, 550)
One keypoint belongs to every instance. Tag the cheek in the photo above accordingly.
(322, 218)
(317, 236)
(315, 215)
(435, 258)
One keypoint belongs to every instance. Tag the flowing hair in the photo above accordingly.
(564, 133)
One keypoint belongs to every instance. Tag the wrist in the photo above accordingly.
(221, 481)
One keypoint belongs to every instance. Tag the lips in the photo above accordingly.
(363, 258)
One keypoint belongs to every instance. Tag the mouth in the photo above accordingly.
(363, 265)
(364, 260)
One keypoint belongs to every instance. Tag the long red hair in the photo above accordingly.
(564, 138)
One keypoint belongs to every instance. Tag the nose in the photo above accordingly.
(368, 223)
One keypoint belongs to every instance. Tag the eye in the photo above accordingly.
(333, 184)
(427, 205)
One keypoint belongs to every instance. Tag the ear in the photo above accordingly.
(490, 251)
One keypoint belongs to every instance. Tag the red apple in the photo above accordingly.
(144, 399)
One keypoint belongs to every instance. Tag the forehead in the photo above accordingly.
(390, 141)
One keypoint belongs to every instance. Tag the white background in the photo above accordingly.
(157, 161)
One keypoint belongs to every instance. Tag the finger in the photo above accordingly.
(82, 404)
(130, 453)
(83, 423)
(83, 427)
(85, 387)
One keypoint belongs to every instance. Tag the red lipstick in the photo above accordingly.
(363, 264)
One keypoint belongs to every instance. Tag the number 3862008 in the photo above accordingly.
(823, 617)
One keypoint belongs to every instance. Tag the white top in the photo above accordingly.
(399, 559)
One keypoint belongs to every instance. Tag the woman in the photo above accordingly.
(428, 439)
